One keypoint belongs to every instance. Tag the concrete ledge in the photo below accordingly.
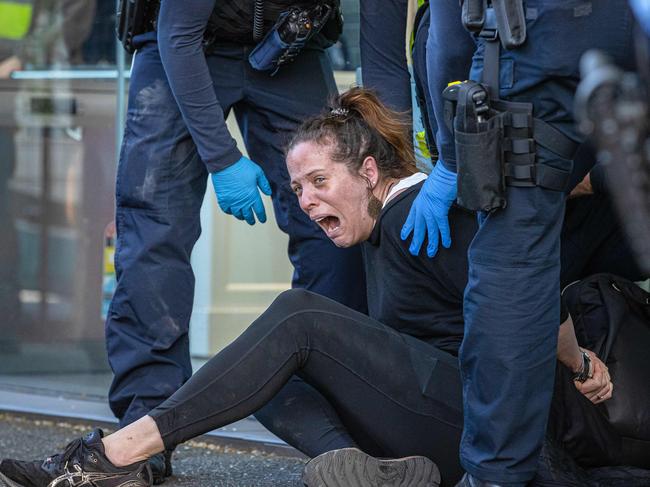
(247, 433)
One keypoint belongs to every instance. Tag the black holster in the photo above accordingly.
(135, 17)
(478, 135)
(496, 145)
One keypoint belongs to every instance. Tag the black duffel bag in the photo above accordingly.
(611, 316)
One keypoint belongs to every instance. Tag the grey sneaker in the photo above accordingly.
(353, 468)
(82, 464)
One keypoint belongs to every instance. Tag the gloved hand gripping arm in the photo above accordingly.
(430, 210)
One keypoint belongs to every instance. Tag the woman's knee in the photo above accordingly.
(281, 315)
(292, 301)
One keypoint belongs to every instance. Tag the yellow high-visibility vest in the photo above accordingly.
(15, 19)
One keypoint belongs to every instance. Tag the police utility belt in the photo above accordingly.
(291, 32)
(496, 140)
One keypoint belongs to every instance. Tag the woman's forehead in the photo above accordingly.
(310, 148)
(307, 157)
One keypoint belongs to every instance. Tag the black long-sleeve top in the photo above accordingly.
(420, 296)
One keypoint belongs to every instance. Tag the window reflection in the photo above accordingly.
(344, 55)
(44, 34)
(57, 166)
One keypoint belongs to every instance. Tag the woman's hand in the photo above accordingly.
(583, 188)
(598, 387)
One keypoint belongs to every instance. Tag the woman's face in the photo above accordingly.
(330, 194)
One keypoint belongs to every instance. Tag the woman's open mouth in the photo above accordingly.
(330, 224)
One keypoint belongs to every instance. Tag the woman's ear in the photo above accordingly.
(370, 171)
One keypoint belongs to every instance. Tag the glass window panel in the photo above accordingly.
(344, 55)
(57, 166)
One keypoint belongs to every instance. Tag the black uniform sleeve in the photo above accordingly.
(181, 25)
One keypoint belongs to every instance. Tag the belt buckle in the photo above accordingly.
(490, 31)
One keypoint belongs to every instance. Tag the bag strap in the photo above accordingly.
(631, 291)
(628, 292)
(617, 297)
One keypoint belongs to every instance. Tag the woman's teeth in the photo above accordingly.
(329, 222)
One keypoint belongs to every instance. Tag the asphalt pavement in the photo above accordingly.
(201, 463)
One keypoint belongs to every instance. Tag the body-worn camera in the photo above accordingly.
(293, 29)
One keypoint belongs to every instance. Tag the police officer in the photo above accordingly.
(512, 303)
(189, 71)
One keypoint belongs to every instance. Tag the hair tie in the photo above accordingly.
(339, 112)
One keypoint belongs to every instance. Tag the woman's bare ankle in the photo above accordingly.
(133, 443)
(118, 454)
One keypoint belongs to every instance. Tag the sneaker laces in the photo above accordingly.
(71, 475)
(73, 451)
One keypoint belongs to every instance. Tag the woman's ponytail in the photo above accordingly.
(357, 125)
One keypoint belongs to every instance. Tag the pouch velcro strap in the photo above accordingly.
(552, 139)
(517, 120)
(528, 175)
(519, 146)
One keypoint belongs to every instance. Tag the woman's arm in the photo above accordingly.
(568, 351)
(598, 387)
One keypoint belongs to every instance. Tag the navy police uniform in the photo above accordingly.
(175, 135)
(512, 300)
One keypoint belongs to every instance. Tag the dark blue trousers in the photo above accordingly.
(383, 54)
(512, 300)
(160, 186)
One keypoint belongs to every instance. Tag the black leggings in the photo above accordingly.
(394, 394)
(360, 383)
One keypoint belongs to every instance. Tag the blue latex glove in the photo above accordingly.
(641, 9)
(430, 210)
(236, 188)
